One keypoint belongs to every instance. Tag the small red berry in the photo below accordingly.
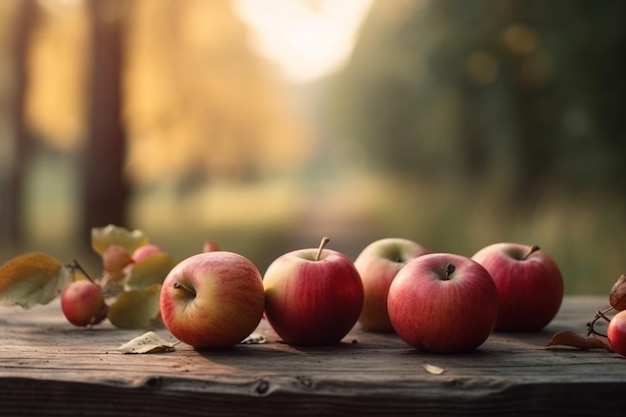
(617, 333)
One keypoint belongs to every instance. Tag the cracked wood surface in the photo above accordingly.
(49, 367)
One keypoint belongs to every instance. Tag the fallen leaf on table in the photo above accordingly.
(573, 339)
(432, 369)
(253, 339)
(149, 342)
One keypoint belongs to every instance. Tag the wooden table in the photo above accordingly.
(48, 367)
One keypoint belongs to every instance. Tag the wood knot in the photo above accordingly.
(262, 387)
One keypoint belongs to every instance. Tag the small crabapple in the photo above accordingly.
(83, 303)
(616, 333)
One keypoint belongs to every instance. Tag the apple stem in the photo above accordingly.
(323, 243)
(179, 285)
(449, 270)
(599, 315)
(533, 249)
(74, 265)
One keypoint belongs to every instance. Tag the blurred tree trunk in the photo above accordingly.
(105, 190)
(10, 207)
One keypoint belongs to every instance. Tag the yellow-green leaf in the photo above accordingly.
(31, 279)
(103, 237)
(136, 309)
(150, 270)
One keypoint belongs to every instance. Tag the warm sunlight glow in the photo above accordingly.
(306, 38)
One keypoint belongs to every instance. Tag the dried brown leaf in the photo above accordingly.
(617, 296)
(570, 338)
(604, 340)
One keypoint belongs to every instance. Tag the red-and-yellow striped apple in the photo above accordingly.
(212, 300)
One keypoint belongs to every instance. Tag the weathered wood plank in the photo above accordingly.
(48, 367)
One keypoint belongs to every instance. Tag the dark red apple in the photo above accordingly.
(312, 296)
(529, 283)
(443, 303)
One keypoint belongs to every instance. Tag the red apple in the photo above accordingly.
(378, 263)
(210, 246)
(212, 300)
(443, 303)
(115, 258)
(83, 303)
(312, 296)
(616, 333)
(529, 283)
(144, 251)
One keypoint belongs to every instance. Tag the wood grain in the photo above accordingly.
(48, 367)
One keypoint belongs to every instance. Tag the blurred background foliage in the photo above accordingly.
(454, 123)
